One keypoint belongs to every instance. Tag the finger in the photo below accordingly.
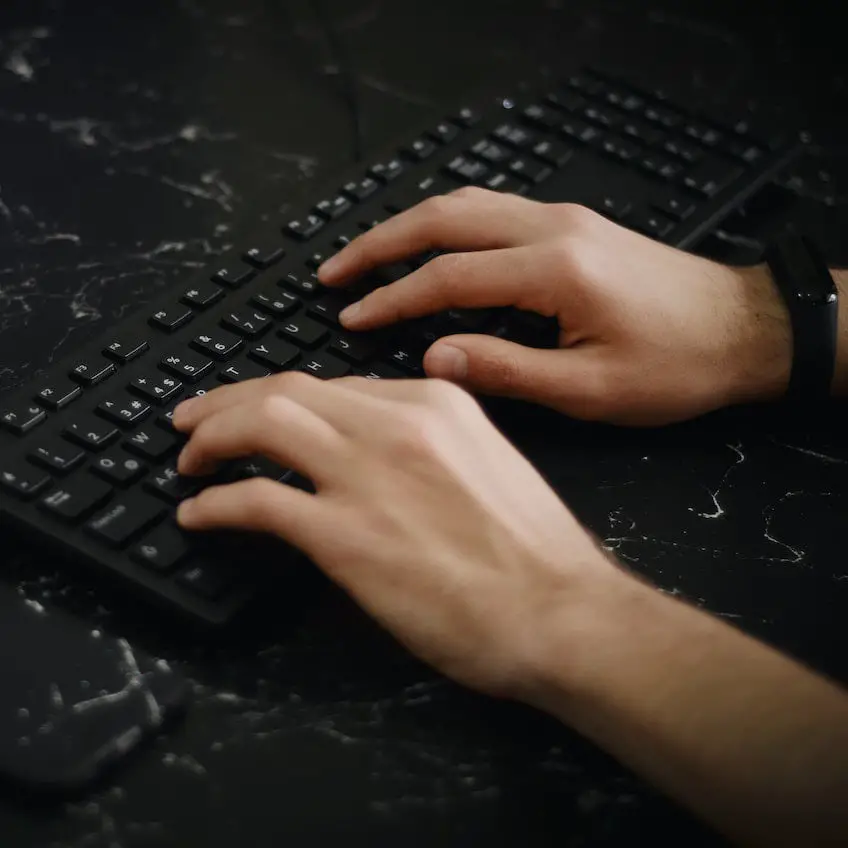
(570, 380)
(260, 505)
(468, 219)
(275, 426)
(518, 276)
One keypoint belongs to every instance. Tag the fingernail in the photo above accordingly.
(329, 269)
(185, 510)
(350, 314)
(448, 362)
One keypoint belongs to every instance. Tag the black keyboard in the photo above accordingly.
(87, 453)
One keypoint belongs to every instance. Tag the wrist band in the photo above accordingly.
(807, 287)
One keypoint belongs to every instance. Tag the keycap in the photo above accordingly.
(79, 498)
(429, 187)
(354, 348)
(466, 170)
(151, 444)
(163, 549)
(603, 116)
(652, 224)
(741, 148)
(381, 371)
(660, 165)
(171, 318)
(615, 208)
(129, 516)
(403, 357)
(334, 208)
(361, 190)
(541, 117)
(303, 286)
(247, 323)
(514, 136)
(202, 296)
(304, 229)
(218, 344)
(505, 184)
(126, 348)
(186, 366)
(255, 467)
(90, 372)
(326, 367)
(91, 432)
(23, 480)
(123, 409)
(712, 176)
(238, 372)
(387, 171)
(620, 148)
(662, 115)
(420, 149)
(316, 261)
(327, 308)
(553, 153)
(276, 303)
(675, 206)
(466, 117)
(625, 100)
(208, 580)
(232, 274)
(57, 455)
(643, 132)
(304, 332)
(529, 170)
(683, 150)
(171, 486)
(118, 467)
(277, 355)
(157, 388)
(586, 83)
(263, 255)
(578, 130)
(58, 394)
(443, 132)
(22, 419)
(567, 101)
(703, 133)
(491, 152)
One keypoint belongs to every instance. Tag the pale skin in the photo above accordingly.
(449, 538)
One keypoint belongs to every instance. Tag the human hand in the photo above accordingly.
(423, 512)
(649, 334)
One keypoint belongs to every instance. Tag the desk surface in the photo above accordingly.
(130, 145)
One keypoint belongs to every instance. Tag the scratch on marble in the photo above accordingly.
(835, 460)
(797, 553)
(394, 91)
(184, 761)
(18, 62)
(718, 512)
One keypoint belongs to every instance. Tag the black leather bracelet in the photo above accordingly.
(807, 287)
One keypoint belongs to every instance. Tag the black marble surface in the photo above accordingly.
(132, 140)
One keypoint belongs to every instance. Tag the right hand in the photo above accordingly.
(648, 334)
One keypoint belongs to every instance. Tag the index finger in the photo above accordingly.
(468, 219)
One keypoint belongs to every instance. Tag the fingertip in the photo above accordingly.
(446, 362)
(331, 271)
(187, 512)
(351, 316)
(181, 418)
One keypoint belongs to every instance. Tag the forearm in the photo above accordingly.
(747, 739)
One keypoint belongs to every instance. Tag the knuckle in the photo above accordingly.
(574, 214)
(258, 498)
(271, 411)
(413, 432)
(291, 380)
(472, 193)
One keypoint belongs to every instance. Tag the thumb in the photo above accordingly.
(558, 378)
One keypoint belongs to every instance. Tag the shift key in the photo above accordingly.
(125, 518)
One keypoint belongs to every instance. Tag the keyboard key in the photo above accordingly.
(118, 467)
(90, 372)
(163, 549)
(23, 480)
(186, 366)
(171, 318)
(22, 419)
(587, 83)
(208, 580)
(466, 170)
(625, 100)
(304, 332)
(683, 150)
(277, 303)
(578, 130)
(218, 344)
(58, 394)
(156, 388)
(603, 116)
(78, 499)
(385, 172)
(420, 149)
(202, 296)
(407, 358)
(505, 184)
(263, 255)
(124, 410)
(315, 261)
(125, 349)
(303, 286)
(354, 348)
(444, 133)
(567, 101)
(491, 152)
(238, 372)
(514, 136)
(276, 355)
(247, 323)
(660, 166)
(541, 117)
(151, 444)
(57, 455)
(615, 208)
(643, 132)
(664, 116)
(703, 133)
(91, 432)
(553, 153)
(620, 148)
(255, 467)
(381, 371)
(171, 486)
(305, 229)
(361, 190)
(741, 148)
(326, 367)
(466, 117)
(675, 206)
(529, 170)
(652, 224)
(712, 176)
(334, 208)
(233, 274)
(129, 516)
(328, 307)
